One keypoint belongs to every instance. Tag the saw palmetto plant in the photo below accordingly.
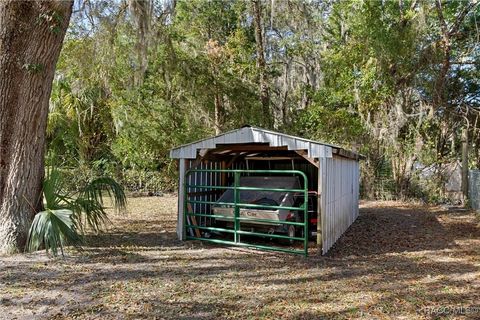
(67, 215)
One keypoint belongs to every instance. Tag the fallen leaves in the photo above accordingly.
(395, 260)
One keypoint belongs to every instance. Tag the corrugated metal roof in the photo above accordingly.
(250, 134)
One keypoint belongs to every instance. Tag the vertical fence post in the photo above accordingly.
(474, 192)
(185, 202)
(236, 208)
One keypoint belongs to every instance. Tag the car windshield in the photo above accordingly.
(271, 198)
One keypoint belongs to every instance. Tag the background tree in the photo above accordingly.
(261, 64)
(394, 80)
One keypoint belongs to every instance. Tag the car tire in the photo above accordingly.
(291, 232)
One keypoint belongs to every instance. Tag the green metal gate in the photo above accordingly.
(190, 216)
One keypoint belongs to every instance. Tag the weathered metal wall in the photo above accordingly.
(181, 198)
(339, 188)
(474, 189)
(254, 135)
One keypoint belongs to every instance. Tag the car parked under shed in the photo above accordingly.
(217, 168)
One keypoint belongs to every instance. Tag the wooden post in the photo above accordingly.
(194, 221)
(223, 175)
(465, 165)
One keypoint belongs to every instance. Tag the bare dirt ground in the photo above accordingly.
(397, 261)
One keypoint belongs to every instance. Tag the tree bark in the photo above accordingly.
(142, 11)
(31, 36)
(465, 164)
(262, 65)
(448, 35)
(477, 152)
(219, 112)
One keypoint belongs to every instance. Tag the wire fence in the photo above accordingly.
(474, 189)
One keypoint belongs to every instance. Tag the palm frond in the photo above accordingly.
(90, 212)
(52, 185)
(66, 215)
(95, 191)
(53, 229)
(91, 201)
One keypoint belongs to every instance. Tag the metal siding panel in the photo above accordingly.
(329, 199)
(319, 204)
(339, 198)
(327, 206)
(336, 217)
(220, 140)
(316, 151)
(331, 191)
(338, 194)
(246, 135)
(341, 224)
(332, 204)
(313, 151)
(300, 145)
(331, 181)
(291, 143)
(257, 137)
(324, 151)
(357, 186)
(279, 139)
(181, 197)
(321, 186)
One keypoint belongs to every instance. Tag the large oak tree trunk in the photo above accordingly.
(31, 36)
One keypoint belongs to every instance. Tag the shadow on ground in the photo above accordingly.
(387, 229)
(395, 261)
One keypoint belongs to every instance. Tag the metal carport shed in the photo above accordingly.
(264, 189)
